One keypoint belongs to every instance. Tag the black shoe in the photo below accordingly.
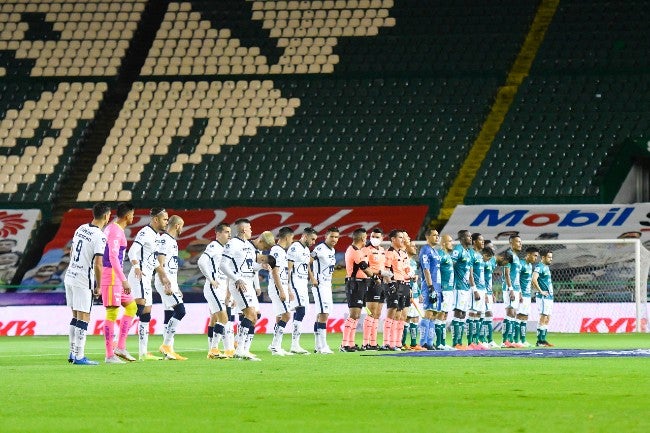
(347, 349)
(370, 347)
(385, 348)
(358, 349)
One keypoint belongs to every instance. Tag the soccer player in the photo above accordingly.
(166, 282)
(463, 285)
(398, 297)
(142, 255)
(215, 291)
(525, 278)
(411, 314)
(512, 292)
(445, 301)
(115, 287)
(429, 259)
(300, 274)
(375, 292)
(477, 298)
(278, 290)
(489, 265)
(83, 277)
(543, 285)
(237, 264)
(357, 278)
(324, 260)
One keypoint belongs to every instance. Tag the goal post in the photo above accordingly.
(600, 285)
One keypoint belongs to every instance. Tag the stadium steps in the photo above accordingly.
(504, 98)
(109, 110)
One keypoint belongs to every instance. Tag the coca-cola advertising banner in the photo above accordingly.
(199, 231)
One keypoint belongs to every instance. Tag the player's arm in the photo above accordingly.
(97, 268)
(535, 284)
(275, 274)
(506, 274)
(362, 260)
(160, 270)
(312, 278)
(134, 253)
(229, 268)
(206, 267)
(116, 264)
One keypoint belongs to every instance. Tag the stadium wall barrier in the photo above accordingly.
(54, 320)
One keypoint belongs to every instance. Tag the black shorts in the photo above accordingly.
(355, 291)
(392, 295)
(403, 296)
(376, 291)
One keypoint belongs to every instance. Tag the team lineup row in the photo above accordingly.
(451, 278)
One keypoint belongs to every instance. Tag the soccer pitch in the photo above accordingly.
(343, 392)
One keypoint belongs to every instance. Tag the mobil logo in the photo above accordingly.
(615, 216)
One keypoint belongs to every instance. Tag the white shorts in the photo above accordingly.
(246, 298)
(477, 306)
(447, 301)
(170, 301)
(279, 306)
(507, 303)
(141, 289)
(78, 297)
(545, 306)
(489, 301)
(412, 311)
(461, 299)
(524, 306)
(323, 298)
(301, 294)
(216, 297)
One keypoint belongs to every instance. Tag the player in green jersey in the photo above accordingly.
(543, 286)
(525, 278)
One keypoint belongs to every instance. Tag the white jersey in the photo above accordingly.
(168, 247)
(209, 264)
(143, 250)
(300, 256)
(324, 261)
(238, 259)
(280, 255)
(88, 242)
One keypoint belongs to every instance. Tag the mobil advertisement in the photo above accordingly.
(608, 221)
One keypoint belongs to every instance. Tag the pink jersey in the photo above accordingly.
(112, 273)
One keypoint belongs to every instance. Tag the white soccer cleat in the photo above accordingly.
(278, 352)
(113, 360)
(124, 354)
(494, 345)
(526, 344)
(298, 350)
(325, 351)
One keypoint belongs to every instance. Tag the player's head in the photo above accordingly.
(265, 241)
(125, 211)
(266, 259)
(308, 237)
(242, 229)
(7, 245)
(175, 226)
(504, 258)
(447, 242)
(465, 238)
(515, 243)
(332, 236)
(101, 213)
(376, 236)
(222, 233)
(396, 237)
(532, 254)
(409, 246)
(547, 256)
(159, 219)
(477, 241)
(432, 236)
(487, 253)
(359, 236)
(285, 235)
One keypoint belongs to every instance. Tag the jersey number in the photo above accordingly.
(78, 249)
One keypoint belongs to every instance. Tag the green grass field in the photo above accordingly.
(343, 392)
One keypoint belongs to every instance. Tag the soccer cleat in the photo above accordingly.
(70, 358)
(461, 347)
(493, 345)
(517, 345)
(278, 352)
(173, 356)
(508, 344)
(417, 348)
(149, 357)
(124, 354)
(346, 349)
(406, 347)
(485, 346)
(165, 349)
(526, 344)
(113, 360)
(370, 347)
(229, 354)
(325, 351)
(385, 348)
(84, 361)
(547, 344)
(215, 354)
(250, 357)
(298, 350)
(358, 349)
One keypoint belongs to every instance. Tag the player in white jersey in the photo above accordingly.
(323, 264)
(215, 291)
(300, 275)
(142, 256)
(166, 282)
(82, 279)
(279, 292)
(237, 264)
